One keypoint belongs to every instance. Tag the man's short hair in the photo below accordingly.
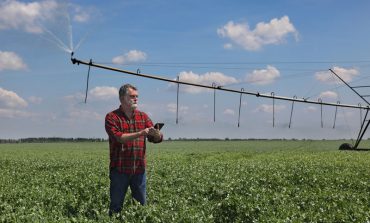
(124, 89)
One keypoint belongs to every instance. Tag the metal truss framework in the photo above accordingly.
(364, 124)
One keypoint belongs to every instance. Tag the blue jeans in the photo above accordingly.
(119, 183)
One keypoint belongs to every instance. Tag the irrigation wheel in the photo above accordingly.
(345, 146)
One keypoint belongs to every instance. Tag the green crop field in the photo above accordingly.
(192, 181)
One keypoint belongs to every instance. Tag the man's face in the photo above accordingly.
(130, 99)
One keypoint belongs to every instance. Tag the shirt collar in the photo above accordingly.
(124, 114)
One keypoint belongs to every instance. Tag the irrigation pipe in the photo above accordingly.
(257, 94)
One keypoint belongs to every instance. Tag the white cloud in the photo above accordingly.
(229, 111)
(311, 109)
(208, 78)
(328, 94)
(77, 114)
(131, 57)
(10, 99)
(11, 61)
(349, 114)
(11, 113)
(269, 108)
(228, 46)
(97, 93)
(81, 16)
(263, 76)
(328, 77)
(75, 97)
(26, 16)
(32, 17)
(35, 100)
(182, 109)
(104, 92)
(274, 32)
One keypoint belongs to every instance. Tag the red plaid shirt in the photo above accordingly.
(128, 157)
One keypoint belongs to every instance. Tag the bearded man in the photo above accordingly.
(128, 128)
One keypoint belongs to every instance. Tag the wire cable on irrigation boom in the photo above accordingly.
(345, 146)
(220, 88)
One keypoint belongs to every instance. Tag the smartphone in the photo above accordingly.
(158, 126)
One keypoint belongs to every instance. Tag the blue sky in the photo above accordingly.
(285, 47)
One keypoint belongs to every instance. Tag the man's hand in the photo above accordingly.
(145, 132)
(154, 134)
(131, 136)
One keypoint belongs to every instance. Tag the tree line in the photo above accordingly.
(60, 139)
(51, 139)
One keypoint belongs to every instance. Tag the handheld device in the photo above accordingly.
(158, 126)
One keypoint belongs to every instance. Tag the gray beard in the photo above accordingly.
(133, 106)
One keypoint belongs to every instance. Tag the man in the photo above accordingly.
(128, 129)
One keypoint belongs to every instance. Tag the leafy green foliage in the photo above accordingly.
(211, 181)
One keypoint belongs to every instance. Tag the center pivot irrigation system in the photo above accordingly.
(345, 146)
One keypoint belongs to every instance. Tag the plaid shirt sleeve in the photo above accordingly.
(148, 122)
(112, 126)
